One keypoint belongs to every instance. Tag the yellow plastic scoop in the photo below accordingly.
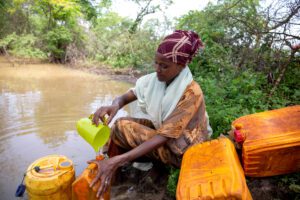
(96, 136)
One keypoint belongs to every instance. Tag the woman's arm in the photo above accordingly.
(112, 110)
(109, 166)
(143, 149)
(125, 99)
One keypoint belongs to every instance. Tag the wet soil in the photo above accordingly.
(270, 188)
(128, 75)
(132, 183)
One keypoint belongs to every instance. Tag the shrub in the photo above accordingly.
(57, 41)
(22, 46)
(172, 181)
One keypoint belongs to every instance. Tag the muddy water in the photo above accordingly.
(39, 106)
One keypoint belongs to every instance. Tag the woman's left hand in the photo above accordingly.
(106, 169)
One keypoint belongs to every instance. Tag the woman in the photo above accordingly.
(174, 104)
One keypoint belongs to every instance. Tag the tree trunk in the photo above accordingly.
(283, 70)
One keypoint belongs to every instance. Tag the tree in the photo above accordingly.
(146, 7)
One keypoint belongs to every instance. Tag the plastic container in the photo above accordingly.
(212, 170)
(270, 141)
(53, 180)
(96, 136)
(80, 187)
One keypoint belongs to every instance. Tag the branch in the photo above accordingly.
(288, 18)
(292, 23)
(286, 34)
(279, 33)
(233, 5)
(283, 70)
(251, 29)
(144, 11)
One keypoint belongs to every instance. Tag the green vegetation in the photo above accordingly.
(172, 181)
(292, 181)
(68, 30)
(249, 64)
(239, 62)
(22, 46)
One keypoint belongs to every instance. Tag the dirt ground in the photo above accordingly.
(132, 183)
(128, 75)
(135, 184)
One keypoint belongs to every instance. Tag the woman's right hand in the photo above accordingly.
(106, 169)
(111, 111)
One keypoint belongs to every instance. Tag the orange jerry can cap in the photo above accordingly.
(239, 134)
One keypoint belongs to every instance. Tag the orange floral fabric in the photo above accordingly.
(185, 126)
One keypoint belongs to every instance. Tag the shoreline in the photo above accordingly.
(128, 74)
(125, 75)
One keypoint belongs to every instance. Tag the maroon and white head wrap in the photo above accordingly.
(181, 46)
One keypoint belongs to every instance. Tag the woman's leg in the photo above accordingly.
(128, 133)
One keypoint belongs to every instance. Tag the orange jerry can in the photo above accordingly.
(212, 170)
(270, 141)
(80, 187)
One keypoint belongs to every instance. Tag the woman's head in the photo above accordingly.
(180, 46)
(175, 52)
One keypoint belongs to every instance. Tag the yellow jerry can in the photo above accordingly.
(50, 177)
(212, 170)
(270, 141)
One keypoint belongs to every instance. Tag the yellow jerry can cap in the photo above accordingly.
(49, 166)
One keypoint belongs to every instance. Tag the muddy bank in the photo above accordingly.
(132, 183)
(129, 75)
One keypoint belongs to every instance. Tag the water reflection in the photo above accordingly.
(39, 106)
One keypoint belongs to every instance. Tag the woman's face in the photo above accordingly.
(165, 69)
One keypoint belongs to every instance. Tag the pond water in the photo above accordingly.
(39, 107)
